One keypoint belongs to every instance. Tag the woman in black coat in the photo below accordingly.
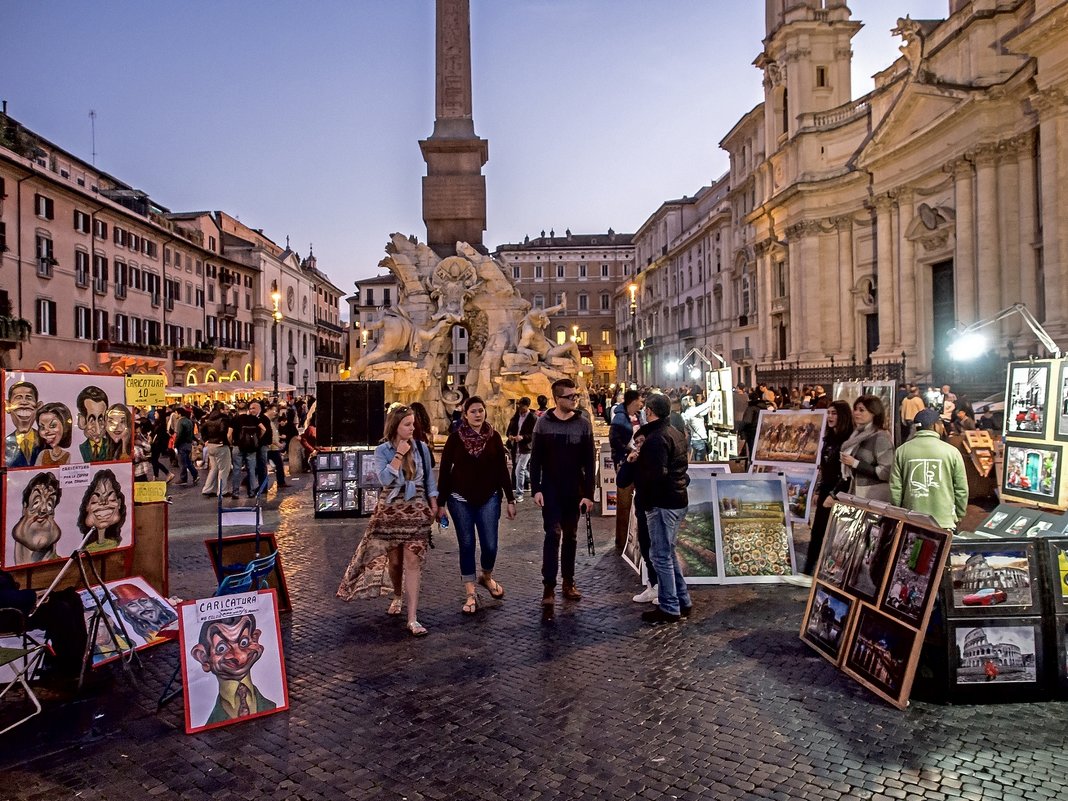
(839, 427)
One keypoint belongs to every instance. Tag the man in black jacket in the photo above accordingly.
(658, 470)
(520, 433)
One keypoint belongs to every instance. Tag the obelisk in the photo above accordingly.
(454, 189)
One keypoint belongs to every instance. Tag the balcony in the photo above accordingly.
(131, 348)
(329, 326)
(688, 333)
(202, 355)
(232, 343)
(741, 354)
(328, 353)
(13, 330)
(227, 310)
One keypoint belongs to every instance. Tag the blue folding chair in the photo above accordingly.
(230, 585)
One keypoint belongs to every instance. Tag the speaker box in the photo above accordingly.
(350, 412)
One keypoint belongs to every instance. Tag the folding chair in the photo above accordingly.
(30, 655)
(230, 585)
(261, 568)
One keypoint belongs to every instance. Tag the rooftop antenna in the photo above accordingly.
(92, 126)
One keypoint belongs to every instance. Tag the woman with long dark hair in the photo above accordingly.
(390, 556)
(474, 476)
(839, 427)
(868, 454)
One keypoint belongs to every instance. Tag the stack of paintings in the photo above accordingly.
(1036, 426)
(789, 443)
(68, 472)
(873, 592)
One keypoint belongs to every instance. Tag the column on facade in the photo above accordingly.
(1025, 164)
(1053, 126)
(846, 281)
(763, 280)
(908, 276)
(811, 314)
(988, 251)
(964, 271)
(1008, 183)
(884, 244)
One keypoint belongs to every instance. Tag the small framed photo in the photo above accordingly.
(328, 502)
(1026, 397)
(995, 579)
(1058, 572)
(1020, 520)
(826, 621)
(996, 520)
(328, 480)
(368, 500)
(1032, 472)
(882, 655)
(322, 461)
(1060, 398)
(990, 655)
(335, 461)
(351, 469)
(368, 471)
(915, 570)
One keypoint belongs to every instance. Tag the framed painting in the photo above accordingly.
(753, 536)
(1057, 551)
(695, 544)
(882, 654)
(1060, 397)
(826, 621)
(1026, 399)
(232, 664)
(840, 543)
(794, 437)
(350, 470)
(800, 487)
(995, 659)
(1032, 472)
(49, 512)
(992, 579)
(866, 571)
(143, 613)
(368, 471)
(915, 570)
(55, 419)
(240, 549)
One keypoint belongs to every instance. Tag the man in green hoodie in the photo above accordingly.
(928, 474)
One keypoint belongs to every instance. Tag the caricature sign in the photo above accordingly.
(232, 663)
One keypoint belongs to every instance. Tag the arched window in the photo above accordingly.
(46, 367)
(211, 375)
(745, 298)
(191, 377)
(248, 372)
(561, 336)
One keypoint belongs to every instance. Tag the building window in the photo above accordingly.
(583, 302)
(370, 298)
(745, 299)
(200, 297)
(582, 271)
(81, 221)
(3, 234)
(122, 328)
(606, 301)
(821, 77)
(559, 271)
(46, 317)
(606, 336)
(561, 336)
(82, 323)
(118, 235)
(780, 279)
(559, 299)
(100, 229)
(538, 272)
(100, 324)
(81, 268)
(385, 297)
(605, 271)
(44, 207)
(515, 271)
(539, 301)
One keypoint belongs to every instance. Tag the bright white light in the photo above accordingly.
(967, 347)
(695, 373)
(672, 367)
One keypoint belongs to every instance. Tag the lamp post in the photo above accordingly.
(632, 288)
(276, 297)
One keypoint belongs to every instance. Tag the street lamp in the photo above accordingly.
(632, 288)
(276, 297)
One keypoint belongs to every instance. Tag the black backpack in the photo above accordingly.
(248, 438)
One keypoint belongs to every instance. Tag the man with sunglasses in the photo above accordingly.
(561, 478)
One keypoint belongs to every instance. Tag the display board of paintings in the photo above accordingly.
(341, 478)
(1036, 427)
(607, 470)
(49, 512)
(873, 591)
(754, 540)
(55, 419)
(232, 663)
(143, 612)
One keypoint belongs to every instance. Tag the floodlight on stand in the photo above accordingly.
(672, 367)
(695, 373)
(967, 344)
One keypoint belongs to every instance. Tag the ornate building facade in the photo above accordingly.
(864, 230)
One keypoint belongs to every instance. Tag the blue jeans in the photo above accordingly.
(467, 519)
(245, 459)
(700, 450)
(671, 586)
(185, 460)
(522, 473)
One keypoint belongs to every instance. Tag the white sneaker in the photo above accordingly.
(648, 595)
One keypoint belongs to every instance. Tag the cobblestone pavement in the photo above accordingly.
(729, 704)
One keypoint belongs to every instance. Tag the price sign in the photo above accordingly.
(150, 491)
(146, 390)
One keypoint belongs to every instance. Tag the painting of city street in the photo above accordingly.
(789, 436)
(867, 564)
(826, 622)
(1060, 429)
(752, 531)
(839, 544)
(914, 574)
(1026, 398)
(1032, 472)
(880, 655)
(995, 652)
(696, 541)
(991, 578)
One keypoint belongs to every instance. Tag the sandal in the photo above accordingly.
(396, 606)
(416, 629)
(470, 605)
(491, 585)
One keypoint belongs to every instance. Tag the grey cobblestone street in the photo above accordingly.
(728, 704)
